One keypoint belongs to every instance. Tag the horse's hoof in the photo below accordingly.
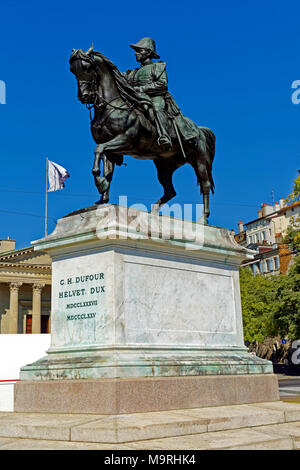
(101, 201)
(166, 197)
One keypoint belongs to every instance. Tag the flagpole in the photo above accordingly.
(46, 200)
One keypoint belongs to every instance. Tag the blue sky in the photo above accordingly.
(230, 65)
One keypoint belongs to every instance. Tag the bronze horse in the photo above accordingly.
(120, 127)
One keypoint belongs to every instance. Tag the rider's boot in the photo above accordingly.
(163, 137)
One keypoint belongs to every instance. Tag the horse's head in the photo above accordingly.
(83, 65)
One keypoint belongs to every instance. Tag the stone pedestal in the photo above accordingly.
(143, 299)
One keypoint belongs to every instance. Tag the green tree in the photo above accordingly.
(286, 314)
(292, 237)
(258, 299)
(271, 305)
(295, 194)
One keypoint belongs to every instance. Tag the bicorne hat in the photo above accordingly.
(146, 43)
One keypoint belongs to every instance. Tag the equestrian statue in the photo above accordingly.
(134, 114)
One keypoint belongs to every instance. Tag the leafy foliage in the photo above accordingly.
(292, 237)
(295, 194)
(257, 299)
(271, 305)
(287, 312)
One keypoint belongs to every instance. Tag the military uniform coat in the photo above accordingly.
(152, 80)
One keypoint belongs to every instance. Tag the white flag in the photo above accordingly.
(57, 176)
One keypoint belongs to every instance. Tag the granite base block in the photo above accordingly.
(136, 395)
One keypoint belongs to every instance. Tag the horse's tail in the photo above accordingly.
(210, 142)
(204, 159)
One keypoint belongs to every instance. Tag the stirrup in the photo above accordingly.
(164, 140)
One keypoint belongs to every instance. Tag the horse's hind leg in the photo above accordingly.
(206, 210)
(165, 171)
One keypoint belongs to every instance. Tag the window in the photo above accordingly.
(270, 264)
(276, 263)
(255, 268)
(262, 267)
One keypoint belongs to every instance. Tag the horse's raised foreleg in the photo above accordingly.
(165, 170)
(117, 144)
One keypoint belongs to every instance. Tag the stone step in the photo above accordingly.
(285, 436)
(254, 438)
(166, 428)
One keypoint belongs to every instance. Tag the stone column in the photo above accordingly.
(14, 307)
(36, 307)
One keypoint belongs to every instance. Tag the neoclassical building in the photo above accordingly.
(25, 290)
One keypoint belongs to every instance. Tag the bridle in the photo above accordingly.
(100, 102)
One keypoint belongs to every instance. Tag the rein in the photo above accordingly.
(106, 103)
(103, 103)
(100, 101)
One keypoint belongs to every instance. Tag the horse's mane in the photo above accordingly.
(127, 92)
